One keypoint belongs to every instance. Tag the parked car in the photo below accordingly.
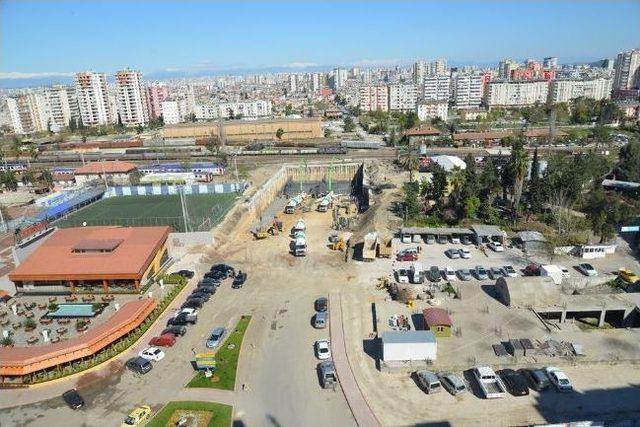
(449, 274)
(587, 269)
(208, 283)
(193, 303)
(428, 381)
(464, 274)
(480, 272)
(509, 271)
(452, 253)
(320, 320)
(224, 268)
(537, 378)
(216, 337)
(187, 274)
(490, 384)
(328, 376)
(139, 365)
(434, 274)
(206, 289)
(152, 353)
(402, 275)
(138, 416)
(515, 383)
(465, 240)
(532, 269)
(321, 304)
(495, 273)
(430, 239)
(496, 246)
(176, 331)
(628, 275)
(189, 311)
(239, 280)
(565, 272)
(164, 340)
(215, 275)
(455, 239)
(452, 383)
(407, 256)
(323, 349)
(559, 379)
(465, 253)
(73, 399)
(182, 319)
(442, 239)
(405, 238)
(200, 295)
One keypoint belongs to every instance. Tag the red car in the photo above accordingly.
(532, 269)
(407, 256)
(166, 340)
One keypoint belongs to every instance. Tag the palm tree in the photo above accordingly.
(519, 164)
(457, 182)
(408, 158)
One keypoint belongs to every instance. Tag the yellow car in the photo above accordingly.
(138, 416)
(628, 275)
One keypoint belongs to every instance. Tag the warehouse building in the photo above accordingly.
(94, 259)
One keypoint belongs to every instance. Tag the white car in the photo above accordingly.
(323, 350)
(152, 353)
(189, 311)
(464, 253)
(587, 269)
(509, 271)
(455, 239)
(496, 246)
(402, 275)
(449, 274)
(559, 379)
(406, 238)
(566, 274)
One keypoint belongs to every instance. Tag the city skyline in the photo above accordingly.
(600, 32)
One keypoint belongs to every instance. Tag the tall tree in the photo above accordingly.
(534, 193)
(437, 188)
(411, 203)
(408, 159)
(518, 164)
(629, 165)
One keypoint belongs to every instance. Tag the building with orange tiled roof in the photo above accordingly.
(115, 172)
(93, 258)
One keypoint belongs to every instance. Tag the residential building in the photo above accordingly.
(437, 87)
(566, 90)
(28, 113)
(173, 112)
(339, 77)
(93, 98)
(402, 97)
(155, 95)
(374, 98)
(627, 70)
(431, 109)
(506, 67)
(114, 172)
(315, 82)
(293, 86)
(516, 94)
(132, 106)
(423, 69)
(62, 105)
(550, 62)
(467, 92)
(231, 110)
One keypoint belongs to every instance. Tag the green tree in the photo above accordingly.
(120, 125)
(534, 191)
(411, 203)
(327, 132)
(408, 159)
(8, 180)
(471, 204)
(489, 180)
(437, 188)
(46, 177)
(605, 212)
(518, 163)
(72, 125)
(628, 167)
(288, 110)
(16, 147)
(349, 125)
(279, 133)
(471, 185)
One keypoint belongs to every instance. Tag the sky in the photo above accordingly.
(48, 39)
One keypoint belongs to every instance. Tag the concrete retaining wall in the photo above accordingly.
(179, 244)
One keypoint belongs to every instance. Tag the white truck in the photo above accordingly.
(300, 247)
(490, 384)
(299, 226)
(553, 271)
(323, 206)
(293, 204)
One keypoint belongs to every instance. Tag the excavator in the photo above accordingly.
(337, 242)
(273, 229)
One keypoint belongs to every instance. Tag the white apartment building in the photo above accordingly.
(550, 62)
(402, 97)
(173, 112)
(131, 99)
(566, 90)
(437, 87)
(422, 69)
(28, 113)
(62, 105)
(250, 109)
(427, 110)
(627, 70)
(516, 94)
(293, 83)
(373, 98)
(467, 90)
(315, 82)
(339, 77)
(505, 68)
(93, 98)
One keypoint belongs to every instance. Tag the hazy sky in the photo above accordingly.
(40, 38)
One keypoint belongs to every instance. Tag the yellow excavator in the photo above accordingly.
(274, 229)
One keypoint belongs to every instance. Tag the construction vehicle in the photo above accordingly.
(385, 247)
(293, 204)
(300, 247)
(324, 204)
(339, 244)
(370, 246)
(277, 224)
(261, 234)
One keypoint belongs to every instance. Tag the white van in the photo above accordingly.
(417, 273)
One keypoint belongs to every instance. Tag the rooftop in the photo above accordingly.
(93, 253)
(407, 337)
(105, 167)
(436, 316)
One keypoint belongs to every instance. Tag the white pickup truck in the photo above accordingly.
(490, 384)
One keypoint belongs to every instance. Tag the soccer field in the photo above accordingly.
(205, 211)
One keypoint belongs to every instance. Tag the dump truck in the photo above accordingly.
(385, 247)
(293, 204)
(299, 226)
(370, 246)
(323, 206)
(300, 246)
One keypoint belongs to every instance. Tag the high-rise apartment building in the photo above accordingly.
(173, 112)
(130, 99)
(227, 110)
(550, 62)
(566, 90)
(315, 82)
(423, 69)
(437, 87)
(93, 98)
(339, 77)
(467, 90)
(516, 94)
(506, 67)
(155, 95)
(29, 113)
(62, 106)
(402, 97)
(374, 98)
(293, 83)
(627, 70)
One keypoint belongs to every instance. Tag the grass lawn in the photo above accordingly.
(220, 414)
(226, 361)
(153, 210)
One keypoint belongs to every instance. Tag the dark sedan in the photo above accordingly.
(176, 331)
(516, 383)
(73, 399)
